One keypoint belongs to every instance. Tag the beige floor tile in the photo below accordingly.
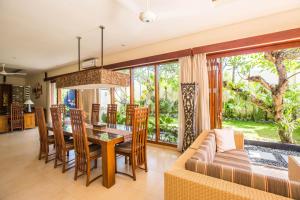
(23, 176)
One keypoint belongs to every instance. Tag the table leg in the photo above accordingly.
(108, 164)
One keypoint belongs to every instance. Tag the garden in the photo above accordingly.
(261, 95)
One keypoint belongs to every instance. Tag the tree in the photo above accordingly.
(271, 97)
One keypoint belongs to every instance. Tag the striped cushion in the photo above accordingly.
(233, 158)
(270, 184)
(207, 150)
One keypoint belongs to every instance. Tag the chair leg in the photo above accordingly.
(133, 166)
(56, 157)
(126, 160)
(76, 168)
(116, 164)
(145, 154)
(40, 153)
(88, 173)
(64, 162)
(47, 152)
(96, 163)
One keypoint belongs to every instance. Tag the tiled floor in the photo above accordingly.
(23, 176)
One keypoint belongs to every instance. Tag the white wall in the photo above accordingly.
(259, 26)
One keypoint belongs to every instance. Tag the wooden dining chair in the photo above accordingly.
(61, 109)
(45, 139)
(112, 114)
(129, 113)
(63, 147)
(16, 117)
(84, 153)
(95, 113)
(136, 149)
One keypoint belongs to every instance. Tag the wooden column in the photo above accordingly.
(112, 95)
(131, 86)
(156, 103)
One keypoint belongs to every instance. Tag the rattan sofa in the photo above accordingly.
(183, 184)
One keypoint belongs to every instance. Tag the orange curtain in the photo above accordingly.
(215, 92)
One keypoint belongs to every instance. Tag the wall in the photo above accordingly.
(32, 80)
(259, 26)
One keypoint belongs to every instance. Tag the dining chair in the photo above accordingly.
(95, 113)
(62, 110)
(129, 113)
(84, 153)
(63, 146)
(136, 149)
(16, 117)
(45, 139)
(112, 114)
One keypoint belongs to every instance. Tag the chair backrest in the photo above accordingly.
(139, 133)
(58, 131)
(95, 113)
(112, 113)
(40, 117)
(129, 113)
(81, 144)
(61, 109)
(17, 115)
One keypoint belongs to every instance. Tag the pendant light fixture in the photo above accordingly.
(98, 77)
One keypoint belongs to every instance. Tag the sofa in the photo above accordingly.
(202, 173)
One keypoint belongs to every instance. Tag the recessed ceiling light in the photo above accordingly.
(123, 45)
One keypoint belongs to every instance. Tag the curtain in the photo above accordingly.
(215, 91)
(194, 69)
(85, 100)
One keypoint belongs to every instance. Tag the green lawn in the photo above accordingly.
(259, 130)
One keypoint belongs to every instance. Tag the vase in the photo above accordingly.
(189, 101)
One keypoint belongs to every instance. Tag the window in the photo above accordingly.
(122, 98)
(168, 82)
(104, 96)
(68, 97)
(144, 94)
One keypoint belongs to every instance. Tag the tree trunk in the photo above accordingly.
(284, 135)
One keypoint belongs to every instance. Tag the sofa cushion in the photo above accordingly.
(206, 150)
(225, 139)
(270, 184)
(233, 158)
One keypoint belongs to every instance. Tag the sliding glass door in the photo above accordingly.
(144, 94)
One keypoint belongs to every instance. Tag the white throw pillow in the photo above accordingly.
(225, 139)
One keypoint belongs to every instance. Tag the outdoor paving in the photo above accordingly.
(276, 158)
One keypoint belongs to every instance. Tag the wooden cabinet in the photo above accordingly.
(29, 120)
(4, 126)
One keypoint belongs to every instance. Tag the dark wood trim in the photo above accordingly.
(156, 96)
(255, 49)
(287, 35)
(166, 57)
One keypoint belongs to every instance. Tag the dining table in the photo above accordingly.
(107, 135)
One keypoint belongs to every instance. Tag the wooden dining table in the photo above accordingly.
(107, 136)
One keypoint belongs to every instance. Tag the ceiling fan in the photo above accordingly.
(146, 15)
(4, 73)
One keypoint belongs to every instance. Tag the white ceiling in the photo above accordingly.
(41, 34)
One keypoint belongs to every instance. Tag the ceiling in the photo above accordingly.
(39, 35)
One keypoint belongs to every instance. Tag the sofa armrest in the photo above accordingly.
(293, 169)
(182, 184)
(239, 140)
